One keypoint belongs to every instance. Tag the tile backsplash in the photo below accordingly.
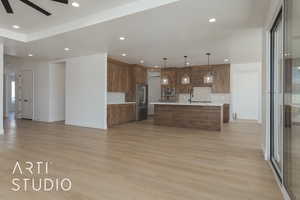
(221, 98)
(183, 98)
(115, 97)
(204, 94)
(201, 94)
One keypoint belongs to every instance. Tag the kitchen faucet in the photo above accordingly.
(191, 95)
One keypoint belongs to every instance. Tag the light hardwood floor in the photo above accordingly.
(140, 161)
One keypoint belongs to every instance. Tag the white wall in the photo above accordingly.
(245, 46)
(246, 90)
(154, 90)
(57, 91)
(1, 87)
(86, 91)
(41, 91)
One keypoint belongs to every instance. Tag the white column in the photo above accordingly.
(86, 91)
(1, 87)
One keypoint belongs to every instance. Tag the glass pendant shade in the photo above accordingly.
(164, 80)
(185, 80)
(209, 78)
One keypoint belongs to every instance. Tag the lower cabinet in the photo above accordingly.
(226, 113)
(120, 114)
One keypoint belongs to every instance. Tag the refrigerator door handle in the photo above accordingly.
(144, 100)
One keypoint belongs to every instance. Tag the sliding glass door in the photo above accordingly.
(276, 95)
(285, 97)
(291, 172)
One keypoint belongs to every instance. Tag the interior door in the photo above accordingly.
(27, 94)
(246, 95)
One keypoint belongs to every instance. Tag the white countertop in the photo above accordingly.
(187, 104)
(121, 103)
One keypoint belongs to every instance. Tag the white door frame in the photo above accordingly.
(7, 89)
(236, 69)
(20, 94)
(267, 44)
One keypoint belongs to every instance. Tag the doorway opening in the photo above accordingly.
(10, 95)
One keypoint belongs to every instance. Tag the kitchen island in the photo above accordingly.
(205, 116)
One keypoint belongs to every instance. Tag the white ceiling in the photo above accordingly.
(153, 31)
(32, 21)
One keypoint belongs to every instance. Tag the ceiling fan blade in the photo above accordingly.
(62, 1)
(7, 6)
(29, 3)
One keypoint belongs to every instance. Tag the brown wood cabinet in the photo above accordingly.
(120, 113)
(118, 76)
(171, 73)
(139, 74)
(222, 79)
(123, 77)
(187, 116)
(198, 74)
(221, 82)
(226, 113)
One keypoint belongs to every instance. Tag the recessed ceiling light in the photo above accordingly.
(298, 68)
(142, 62)
(67, 49)
(188, 63)
(156, 66)
(226, 60)
(122, 38)
(30, 55)
(123, 54)
(75, 4)
(16, 26)
(212, 20)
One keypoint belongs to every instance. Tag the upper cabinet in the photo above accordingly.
(198, 74)
(222, 79)
(118, 76)
(123, 77)
(139, 74)
(221, 82)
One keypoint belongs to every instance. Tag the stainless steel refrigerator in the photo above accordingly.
(141, 102)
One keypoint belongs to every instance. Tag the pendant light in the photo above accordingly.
(209, 77)
(185, 79)
(164, 78)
